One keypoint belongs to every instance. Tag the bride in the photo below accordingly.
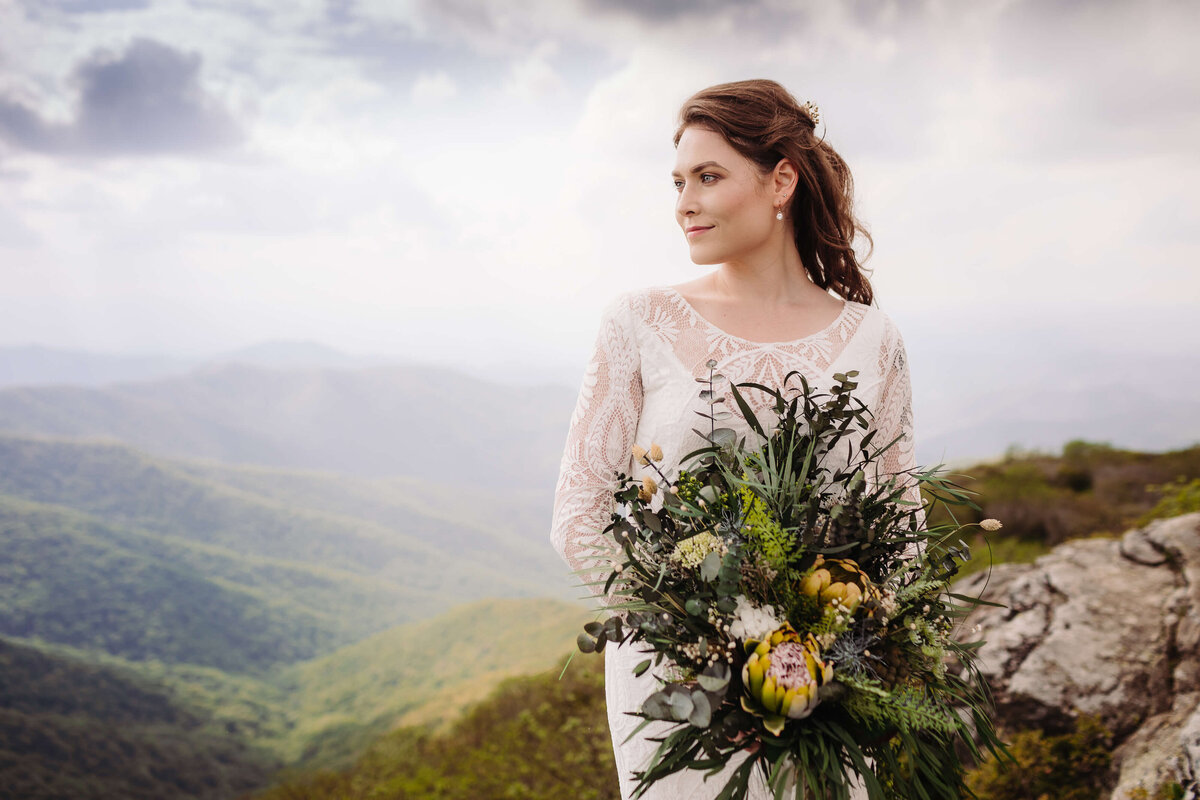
(768, 202)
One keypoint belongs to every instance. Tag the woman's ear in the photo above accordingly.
(783, 179)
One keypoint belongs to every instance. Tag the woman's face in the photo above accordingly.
(724, 205)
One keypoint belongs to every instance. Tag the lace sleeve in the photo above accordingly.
(894, 413)
(600, 438)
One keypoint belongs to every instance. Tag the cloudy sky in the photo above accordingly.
(470, 182)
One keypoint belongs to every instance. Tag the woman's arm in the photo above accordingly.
(894, 413)
(600, 439)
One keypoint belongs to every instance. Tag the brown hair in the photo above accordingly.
(763, 122)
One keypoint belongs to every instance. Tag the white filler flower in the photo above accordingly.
(750, 622)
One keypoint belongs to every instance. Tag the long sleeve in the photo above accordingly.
(600, 438)
(894, 412)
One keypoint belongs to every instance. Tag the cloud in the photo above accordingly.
(432, 87)
(94, 6)
(533, 77)
(145, 101)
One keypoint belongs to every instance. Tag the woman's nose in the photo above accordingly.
(685, 204)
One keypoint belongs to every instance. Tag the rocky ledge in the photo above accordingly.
(1109, 627)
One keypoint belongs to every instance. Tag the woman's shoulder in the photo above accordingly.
(874, 319)
(636, 304)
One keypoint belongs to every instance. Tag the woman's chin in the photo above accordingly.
(702, 258)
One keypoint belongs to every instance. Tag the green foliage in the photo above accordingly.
(1167, 790)
(1090, 489)
(535, 738)
(906, 709)
(1072, 766)
(1176, 497)
(763, 532)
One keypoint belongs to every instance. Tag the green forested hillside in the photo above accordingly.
(423, 552)
(109, 549)
(535, 738)
(511, 525)
(201, 592)
(71, 730)
(423, 672)
(84, 707)
(68, 578)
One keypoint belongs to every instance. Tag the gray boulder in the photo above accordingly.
(1109, 627)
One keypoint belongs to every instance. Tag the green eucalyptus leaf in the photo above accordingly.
(641, 668)
(710, 567)
(651, 520)
(714, 678)
(701, 715)
(723, 437)
(658, 706)
(681, 705)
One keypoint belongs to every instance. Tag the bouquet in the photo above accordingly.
(794, 610)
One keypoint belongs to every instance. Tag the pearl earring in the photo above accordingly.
(779, 214)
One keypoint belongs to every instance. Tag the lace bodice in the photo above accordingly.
(640, 387)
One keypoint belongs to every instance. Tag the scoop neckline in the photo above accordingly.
(837, 321)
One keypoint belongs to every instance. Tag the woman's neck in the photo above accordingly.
(774, 276)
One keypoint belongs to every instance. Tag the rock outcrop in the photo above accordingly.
(1109, 627)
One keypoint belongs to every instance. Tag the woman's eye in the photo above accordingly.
(705, 177)
(678, 184)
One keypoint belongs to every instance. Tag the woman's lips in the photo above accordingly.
(697, 230)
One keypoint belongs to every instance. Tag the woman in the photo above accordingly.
(768, 202)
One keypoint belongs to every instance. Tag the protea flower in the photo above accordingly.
(836, 579)
(782, 677)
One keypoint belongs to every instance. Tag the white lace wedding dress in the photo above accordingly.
(640, 387)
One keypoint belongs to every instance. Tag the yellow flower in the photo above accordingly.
(783, 677)
(836, 579)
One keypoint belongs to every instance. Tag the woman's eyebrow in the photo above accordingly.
(699, 168)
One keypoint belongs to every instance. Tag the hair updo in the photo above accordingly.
(762, 121)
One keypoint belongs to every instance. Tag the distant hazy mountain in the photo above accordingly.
(430, 423)
(975, 408)
(34, 365)
(306, 405)
(288, 354)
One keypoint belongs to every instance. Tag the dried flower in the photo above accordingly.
(991, 525)
(639, 455)
(649, 487)
(656, 453)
